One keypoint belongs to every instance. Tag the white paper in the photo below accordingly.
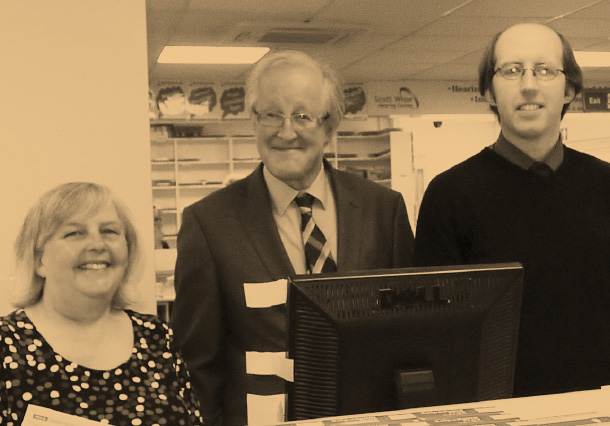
(265, 295)
(266, 409)
(36, 415)
(270, 363)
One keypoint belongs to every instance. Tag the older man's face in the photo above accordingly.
(292, 154)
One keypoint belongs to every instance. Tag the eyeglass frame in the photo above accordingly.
(318, 120)
(533, 69)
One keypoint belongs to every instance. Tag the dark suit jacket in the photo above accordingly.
(230, 238)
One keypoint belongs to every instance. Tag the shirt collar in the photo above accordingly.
(510, 152)
(282, 195)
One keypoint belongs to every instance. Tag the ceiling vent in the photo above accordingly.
(292, 33)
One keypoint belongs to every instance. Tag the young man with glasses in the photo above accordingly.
(237, 246)
(529, 198)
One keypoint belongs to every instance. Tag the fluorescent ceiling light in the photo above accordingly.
(593, 59)
(211, 55)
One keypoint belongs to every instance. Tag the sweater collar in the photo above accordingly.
(514, 155)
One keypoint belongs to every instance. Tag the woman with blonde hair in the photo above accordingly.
(72, 345)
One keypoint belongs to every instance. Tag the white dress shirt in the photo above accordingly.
(287, 215)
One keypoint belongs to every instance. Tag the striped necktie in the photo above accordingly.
(317, 249)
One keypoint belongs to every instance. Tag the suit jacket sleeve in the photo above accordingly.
(197, 316)
(403, 237)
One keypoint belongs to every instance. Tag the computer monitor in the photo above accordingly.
(412, 337)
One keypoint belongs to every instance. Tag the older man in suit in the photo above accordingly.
(294, 214)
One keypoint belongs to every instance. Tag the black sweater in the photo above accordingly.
(487, 210)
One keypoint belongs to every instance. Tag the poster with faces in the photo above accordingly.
(203, 100)
(153, 111)
(170, 99)
(354, 97)
(233, 101)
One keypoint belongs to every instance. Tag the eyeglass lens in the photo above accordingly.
(301, 120)
(515, 71)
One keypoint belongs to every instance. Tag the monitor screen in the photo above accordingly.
(385, 340)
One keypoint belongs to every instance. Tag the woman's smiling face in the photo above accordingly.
(88, 255)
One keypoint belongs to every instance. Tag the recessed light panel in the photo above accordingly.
(592, 59)
(211, 55)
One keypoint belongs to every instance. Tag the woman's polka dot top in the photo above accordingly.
(151, 388)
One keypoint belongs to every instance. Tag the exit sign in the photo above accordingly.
(596, 100)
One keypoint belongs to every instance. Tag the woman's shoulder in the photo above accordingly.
(153, 335)
(149, 322)
(17, 332)
(14, 321)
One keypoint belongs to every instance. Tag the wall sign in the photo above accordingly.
(223, 100)
(596, 99)
(425, 97)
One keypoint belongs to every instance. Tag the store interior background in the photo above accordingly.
(75, 78)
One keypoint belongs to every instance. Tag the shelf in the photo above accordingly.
(204, 139)
(247, 160)
(237, 138)
(367, 133)
(200, 186)
(363, 159)
(184, 166)
(243, 138)
(193, 122)
(202, 163)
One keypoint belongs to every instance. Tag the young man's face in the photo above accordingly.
(530, 108)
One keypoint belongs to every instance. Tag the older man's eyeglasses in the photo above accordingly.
(516, 71)
(299, 120)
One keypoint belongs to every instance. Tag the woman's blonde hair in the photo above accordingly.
(51, 210)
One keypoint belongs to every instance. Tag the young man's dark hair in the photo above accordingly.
(487, 69)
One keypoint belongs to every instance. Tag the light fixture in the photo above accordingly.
(592, 59)
(211, 55)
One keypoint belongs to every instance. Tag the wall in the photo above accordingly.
(435, 143)
(74, 107)
(588, 133)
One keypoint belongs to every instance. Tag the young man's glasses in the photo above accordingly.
(516, 71)
(299, 121)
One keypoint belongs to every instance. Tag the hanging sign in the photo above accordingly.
(596, 99)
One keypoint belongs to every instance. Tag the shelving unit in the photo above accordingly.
(192, 159)
(186, 169)
(367, 155)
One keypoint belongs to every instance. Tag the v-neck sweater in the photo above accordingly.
(488, 210)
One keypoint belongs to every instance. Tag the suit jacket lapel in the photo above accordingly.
(257, 217)
(348, 220)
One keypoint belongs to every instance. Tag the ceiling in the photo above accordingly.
(367, 40)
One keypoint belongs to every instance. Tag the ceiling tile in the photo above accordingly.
(572, 27)
(599, 10)
(453, 25)
(522, 9)
(388, 16)
(423, 44)
(423, 39)
(461, 72)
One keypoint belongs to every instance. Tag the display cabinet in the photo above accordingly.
(192, 159)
